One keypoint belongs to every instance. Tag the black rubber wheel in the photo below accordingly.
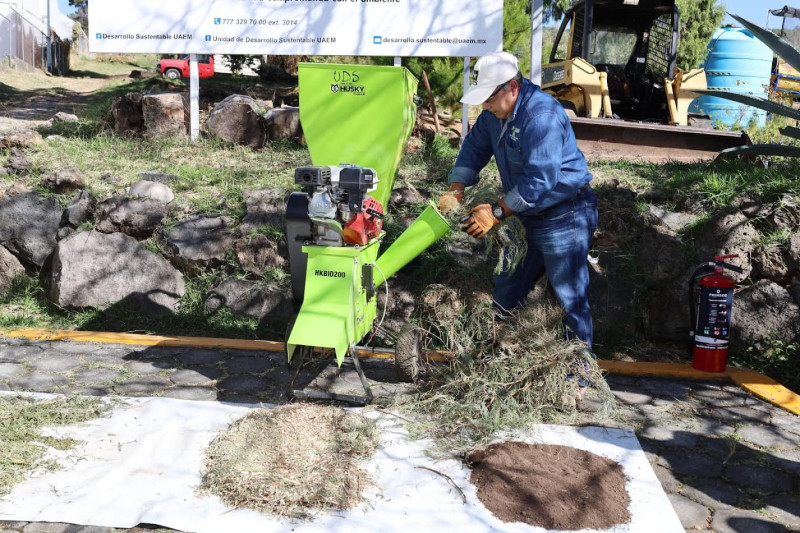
(408, 353)
(301, 353)
(173, 74)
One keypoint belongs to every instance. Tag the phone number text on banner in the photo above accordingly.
(298, 27)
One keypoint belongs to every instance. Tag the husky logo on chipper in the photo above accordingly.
(329, 273)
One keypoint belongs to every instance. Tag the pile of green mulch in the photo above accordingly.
(23, 446)
(292, 461)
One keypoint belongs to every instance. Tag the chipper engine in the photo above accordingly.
(334, 227)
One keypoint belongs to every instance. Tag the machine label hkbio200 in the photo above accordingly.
(714, 315)
(330, 273)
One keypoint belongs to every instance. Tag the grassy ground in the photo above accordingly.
(25, 445)
(212, 176)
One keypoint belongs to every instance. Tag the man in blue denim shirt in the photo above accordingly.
(545, 184)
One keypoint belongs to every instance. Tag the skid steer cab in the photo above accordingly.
(612, 68)
(617, 58)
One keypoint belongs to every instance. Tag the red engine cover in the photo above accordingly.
(364, 226)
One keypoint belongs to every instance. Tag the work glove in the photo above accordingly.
(479, 221)
(450, 201)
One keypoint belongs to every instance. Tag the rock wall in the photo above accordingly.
(99, 251)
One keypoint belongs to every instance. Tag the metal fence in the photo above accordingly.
(21, 39)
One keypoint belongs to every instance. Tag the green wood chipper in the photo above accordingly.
(357, 120)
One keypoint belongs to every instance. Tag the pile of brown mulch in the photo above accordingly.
(292, 460)
(550, 486)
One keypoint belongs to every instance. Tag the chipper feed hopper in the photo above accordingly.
(357, 120)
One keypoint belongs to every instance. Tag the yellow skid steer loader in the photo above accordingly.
(612, 67)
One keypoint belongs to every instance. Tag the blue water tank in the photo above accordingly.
(735, 62)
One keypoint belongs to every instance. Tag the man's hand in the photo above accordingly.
(451, 200)
(479, 221)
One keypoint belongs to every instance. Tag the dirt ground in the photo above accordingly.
(33, 107)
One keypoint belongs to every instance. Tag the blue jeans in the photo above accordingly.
(558, 244)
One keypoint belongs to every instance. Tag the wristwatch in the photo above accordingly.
(498, 212)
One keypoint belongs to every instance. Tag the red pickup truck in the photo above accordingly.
(179, 68)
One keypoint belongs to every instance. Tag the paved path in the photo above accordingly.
(728, 461)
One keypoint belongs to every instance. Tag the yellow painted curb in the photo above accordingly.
(753, 382)
(144, 340)
(192, 342)
(766, 388)
(758, 384)
(660, 370)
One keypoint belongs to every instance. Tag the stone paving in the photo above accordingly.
(728, 461)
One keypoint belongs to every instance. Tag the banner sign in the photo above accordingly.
(403, 28)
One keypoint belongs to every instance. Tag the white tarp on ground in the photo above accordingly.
(142, 464)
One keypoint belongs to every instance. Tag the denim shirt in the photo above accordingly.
(535, 149)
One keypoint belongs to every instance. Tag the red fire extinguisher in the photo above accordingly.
(710, 330)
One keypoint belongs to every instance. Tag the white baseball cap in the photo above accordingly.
(490, 71)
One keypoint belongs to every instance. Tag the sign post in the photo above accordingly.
(194, 98)
(536, 41)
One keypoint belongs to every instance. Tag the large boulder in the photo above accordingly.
(236, 119)
(152, 190)
(64, 181)
(17, 162)
(787, 216)
(284, 123)
(128, 114)
(772, 263)
(166, 115)
(674, 221)
(264, 206)
(80, 210)
(92, 269)
(249, 299)
(257, 253)
(28, 226)
(660, 256)
(199, 242)
(765, 309)
(20, 139)
(61, 116)
(10, 267)
(138, 218)
(15, 189)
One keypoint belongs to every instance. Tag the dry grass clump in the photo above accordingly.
(292, 461)
(22, 444)
(505, 375)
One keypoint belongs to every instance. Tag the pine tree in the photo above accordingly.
(698, 20)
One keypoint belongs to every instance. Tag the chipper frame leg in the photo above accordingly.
(310, 394)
